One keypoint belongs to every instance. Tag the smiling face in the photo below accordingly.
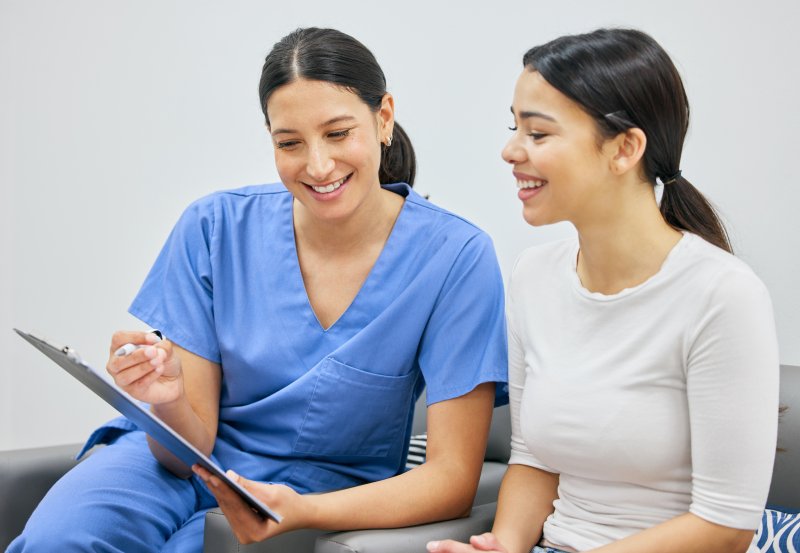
(558, 166)
(327, 146)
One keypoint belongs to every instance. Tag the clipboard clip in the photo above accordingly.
(71, 354)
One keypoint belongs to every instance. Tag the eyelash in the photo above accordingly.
(534, 135)
(335, 135)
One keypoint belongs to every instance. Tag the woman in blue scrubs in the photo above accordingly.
(302, 321)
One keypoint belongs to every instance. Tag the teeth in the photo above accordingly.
(530, 183)
(330, 187)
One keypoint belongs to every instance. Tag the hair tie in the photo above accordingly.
(671, 179)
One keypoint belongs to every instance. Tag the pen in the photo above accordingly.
(127, 349)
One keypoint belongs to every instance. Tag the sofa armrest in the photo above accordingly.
(25, 477)
(412, 538)
(218, 538)
(785, 490)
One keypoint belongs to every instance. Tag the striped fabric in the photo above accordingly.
(416, 450)
(779, 532)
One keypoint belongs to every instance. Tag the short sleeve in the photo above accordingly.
(464, 342)
(177, 295)
(732, 386)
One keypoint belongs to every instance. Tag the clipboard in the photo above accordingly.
(120, 400)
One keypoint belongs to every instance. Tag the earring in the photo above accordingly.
(388, 140)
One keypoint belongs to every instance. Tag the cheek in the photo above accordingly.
(286, 164)
(363, 153)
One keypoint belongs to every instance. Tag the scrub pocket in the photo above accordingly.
(354, 413)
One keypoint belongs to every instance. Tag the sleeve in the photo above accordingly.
(520, 453)
(464, 342)
(177, 295)
(732, 387)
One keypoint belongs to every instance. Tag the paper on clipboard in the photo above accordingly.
(68, 360)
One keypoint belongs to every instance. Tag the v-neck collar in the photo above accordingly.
(361, 308)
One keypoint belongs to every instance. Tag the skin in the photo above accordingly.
(321, 133)
(598, 186)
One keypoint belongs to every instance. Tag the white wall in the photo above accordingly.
(114, 115)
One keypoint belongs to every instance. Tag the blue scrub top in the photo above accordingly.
(318, 408)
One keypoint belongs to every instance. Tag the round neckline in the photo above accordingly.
(625, 292)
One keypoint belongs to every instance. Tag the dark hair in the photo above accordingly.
(334, 57)
(624, 79)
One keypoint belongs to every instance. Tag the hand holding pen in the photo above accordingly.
(144, 365)
(129, 348)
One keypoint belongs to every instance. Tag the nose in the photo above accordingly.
(513, 152)
(319, 163)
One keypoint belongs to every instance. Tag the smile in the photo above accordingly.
(330, 187)
(522, 184)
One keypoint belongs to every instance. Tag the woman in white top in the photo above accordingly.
(643, 355)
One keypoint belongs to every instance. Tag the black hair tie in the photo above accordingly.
(672, 178)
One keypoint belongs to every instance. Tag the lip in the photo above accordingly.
(525, 194)
(328, 196)
(526, 176)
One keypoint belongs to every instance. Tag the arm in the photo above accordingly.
(182, 388)
(442, 488)
(526, 500)
(687, 533)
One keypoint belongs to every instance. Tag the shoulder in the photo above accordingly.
(235, 197)
(719, 290)
(232, 204)
(440, 231)
(720, 272)
(436, 218)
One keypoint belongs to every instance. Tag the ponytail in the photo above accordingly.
(624, 79)
(398, 161)
(685, 208)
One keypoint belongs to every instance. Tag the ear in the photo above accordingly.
(626, 150)
(386, 117)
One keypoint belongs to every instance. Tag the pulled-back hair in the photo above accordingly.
(334, 57)
(624, 79)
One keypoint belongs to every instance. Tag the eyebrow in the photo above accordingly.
(537, 114)
(327, 123)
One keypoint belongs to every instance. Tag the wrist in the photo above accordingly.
(315, 512)
(171, 408)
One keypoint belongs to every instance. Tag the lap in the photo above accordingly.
(119, 499)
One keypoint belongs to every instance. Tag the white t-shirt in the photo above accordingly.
(649, 403)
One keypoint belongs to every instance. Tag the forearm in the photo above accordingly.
(180, 416)
(431, 492)
(686, 533)
(525, 501)
(192, 410)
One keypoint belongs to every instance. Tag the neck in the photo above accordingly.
(371, 221)
(626, 245)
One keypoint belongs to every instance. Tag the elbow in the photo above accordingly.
(462, 492)
(740, 541)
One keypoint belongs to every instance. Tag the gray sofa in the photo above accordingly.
(26, 475)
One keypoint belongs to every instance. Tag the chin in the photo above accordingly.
(534, 219)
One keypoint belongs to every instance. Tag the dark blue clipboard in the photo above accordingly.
(120, 400)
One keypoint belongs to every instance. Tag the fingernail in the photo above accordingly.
(432, 545)
(232, 475)
(150, 352)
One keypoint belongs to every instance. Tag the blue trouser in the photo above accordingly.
(119, 500)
